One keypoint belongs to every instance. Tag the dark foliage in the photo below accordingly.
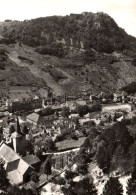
(95, 107)
(45, 112)
(14, 190)
(130, 88)
(11, 129)
(83, 187)
(47, 166)
(98, 31)
(34, 177)
(113, 187)
(82, 110)
(59, 181)
(65, 112)
(4, 182)
(131, 189)
(25, 129)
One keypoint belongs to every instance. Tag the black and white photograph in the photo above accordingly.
(67, 97)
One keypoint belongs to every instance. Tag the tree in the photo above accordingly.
(113, 187)
(69, 175)
(35, 179)
(74, 136)
(50, 145)
(115, 117)
(77, 123)
(60, 181)
(4, 182)
(131, 189)
(109, 118)
(25, 129)
(37, 150)
(11, 129)
(83, 187)
(29, 147)
(95, 107)
(14, 190)
(47, 166)
(45, 112)
(65, 112)
(81, 159)
(82, 110)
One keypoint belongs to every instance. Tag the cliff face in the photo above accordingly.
(72, 53)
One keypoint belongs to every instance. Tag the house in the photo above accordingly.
(17, 169)
(56, 108)
(32, 160)
(72, 97)
(25, 105)
(117, 97)
(117, 107)
(33, 118)
(72, 105)
(74, 116)
(85, 121)
(81, 102)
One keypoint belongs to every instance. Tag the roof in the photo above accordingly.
(71, 105)
(84, 120)
(6, 130)
(81, 102)
(31, 159)
(15, 135)
(4, 113)
(18, 164)
(22, 166)
(56, 107)
(7, 153)
(33, 117)
(15, 177)
(70, 144)
(116, 107)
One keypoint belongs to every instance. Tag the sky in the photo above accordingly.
(122, 11)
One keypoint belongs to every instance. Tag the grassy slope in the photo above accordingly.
(61, 74)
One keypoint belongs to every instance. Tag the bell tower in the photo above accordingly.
(16, 136)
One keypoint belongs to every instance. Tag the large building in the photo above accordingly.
(17, 165)
(117, 107)
(25, 105)
(17, 169)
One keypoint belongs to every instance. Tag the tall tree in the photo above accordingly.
(65, 112)
(47, 166)
(25, 129)
(131, 189)
(11, 129)
(113, 187)
(4, 182)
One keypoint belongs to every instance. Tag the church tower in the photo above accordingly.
(17, 138)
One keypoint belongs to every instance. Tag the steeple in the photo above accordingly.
(18, 127)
